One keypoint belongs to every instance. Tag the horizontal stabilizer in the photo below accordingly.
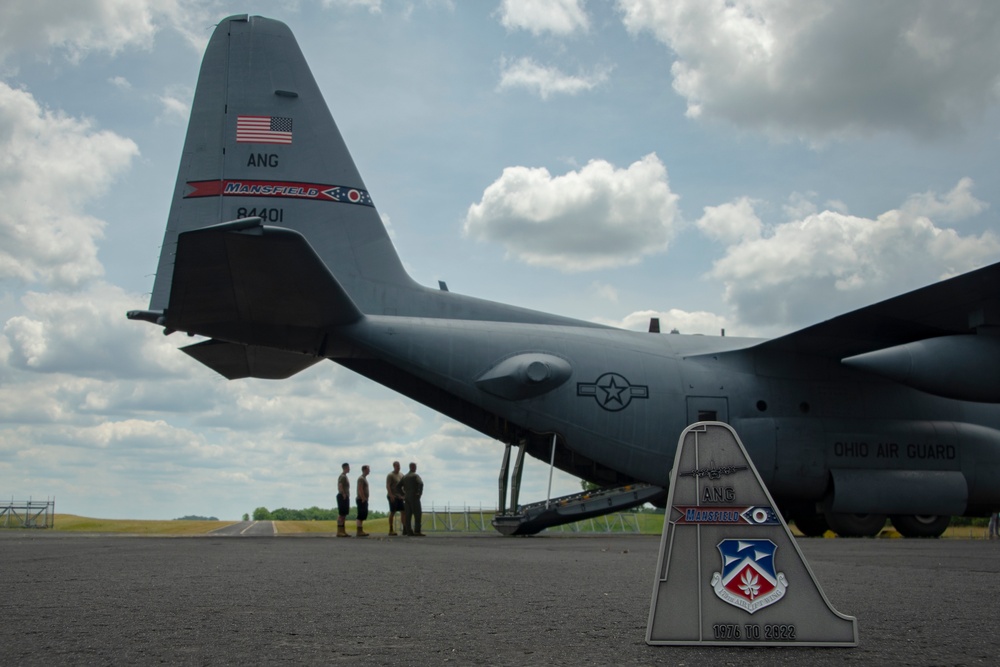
(234, 361)
(256, 286)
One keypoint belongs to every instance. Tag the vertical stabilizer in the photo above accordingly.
(261, 143)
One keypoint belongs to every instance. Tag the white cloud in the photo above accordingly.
(51, 166)
(547, 81)
(837, 205)
(803, 271)
(593, 218)
(175, 109)
(86, 334)
(559, 17)
(732, 222)
(826, 69)
(800, 205)
(88, 25)
(956, 205)
(120, 82)
(107, 26)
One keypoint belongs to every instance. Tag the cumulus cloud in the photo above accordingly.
(547, 81)
(732, 222)
(42, 27)
(175, 107)
(89, 25)
(559, 17)
(597, 217)
(827, 69)
(51, 166)
(954, 206)
(85, 334)
(120, 82)
(808, 269)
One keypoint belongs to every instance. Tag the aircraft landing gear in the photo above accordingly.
(515, 479)
(920, 525)
(811, 525)
(855, 525)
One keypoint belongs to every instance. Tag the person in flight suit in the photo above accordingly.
(362, 500)
(395, 497)
(413, 488)
(343, 500)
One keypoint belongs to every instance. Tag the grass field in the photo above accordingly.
(70, 523)
(439, 522)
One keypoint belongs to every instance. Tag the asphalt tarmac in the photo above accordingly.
(464, 600)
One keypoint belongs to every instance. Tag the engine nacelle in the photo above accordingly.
(963, 367)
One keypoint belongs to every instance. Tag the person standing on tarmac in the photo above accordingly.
(395, 497)
(362, 500)
(413, 488)
(343, 500)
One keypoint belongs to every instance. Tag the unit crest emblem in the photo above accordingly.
(748, 579)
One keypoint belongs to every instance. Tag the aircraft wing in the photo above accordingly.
(958, 305)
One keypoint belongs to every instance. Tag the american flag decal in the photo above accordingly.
(263, 130)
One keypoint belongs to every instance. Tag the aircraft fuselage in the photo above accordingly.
(618, 399)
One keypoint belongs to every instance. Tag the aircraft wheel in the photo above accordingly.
(855, 525)
(920, 525)
(811, 525)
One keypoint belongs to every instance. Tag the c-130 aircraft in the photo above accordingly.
(275, 252)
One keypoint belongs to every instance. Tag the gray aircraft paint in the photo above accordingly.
(720, 516)
(275, 252)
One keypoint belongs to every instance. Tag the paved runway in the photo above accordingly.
(247, 529)
(77, 599)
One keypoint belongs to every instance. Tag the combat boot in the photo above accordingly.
(342, 531)
(362, 533)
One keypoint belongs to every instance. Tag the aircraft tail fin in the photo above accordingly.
(262, 143)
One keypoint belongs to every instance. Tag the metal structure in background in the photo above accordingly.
(28, 513)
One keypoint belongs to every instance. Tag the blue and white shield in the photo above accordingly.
(748, 579)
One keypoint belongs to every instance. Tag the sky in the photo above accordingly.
(754, 166)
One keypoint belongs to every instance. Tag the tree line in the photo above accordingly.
(309, 514)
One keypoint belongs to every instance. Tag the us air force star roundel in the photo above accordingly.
(612, 391)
